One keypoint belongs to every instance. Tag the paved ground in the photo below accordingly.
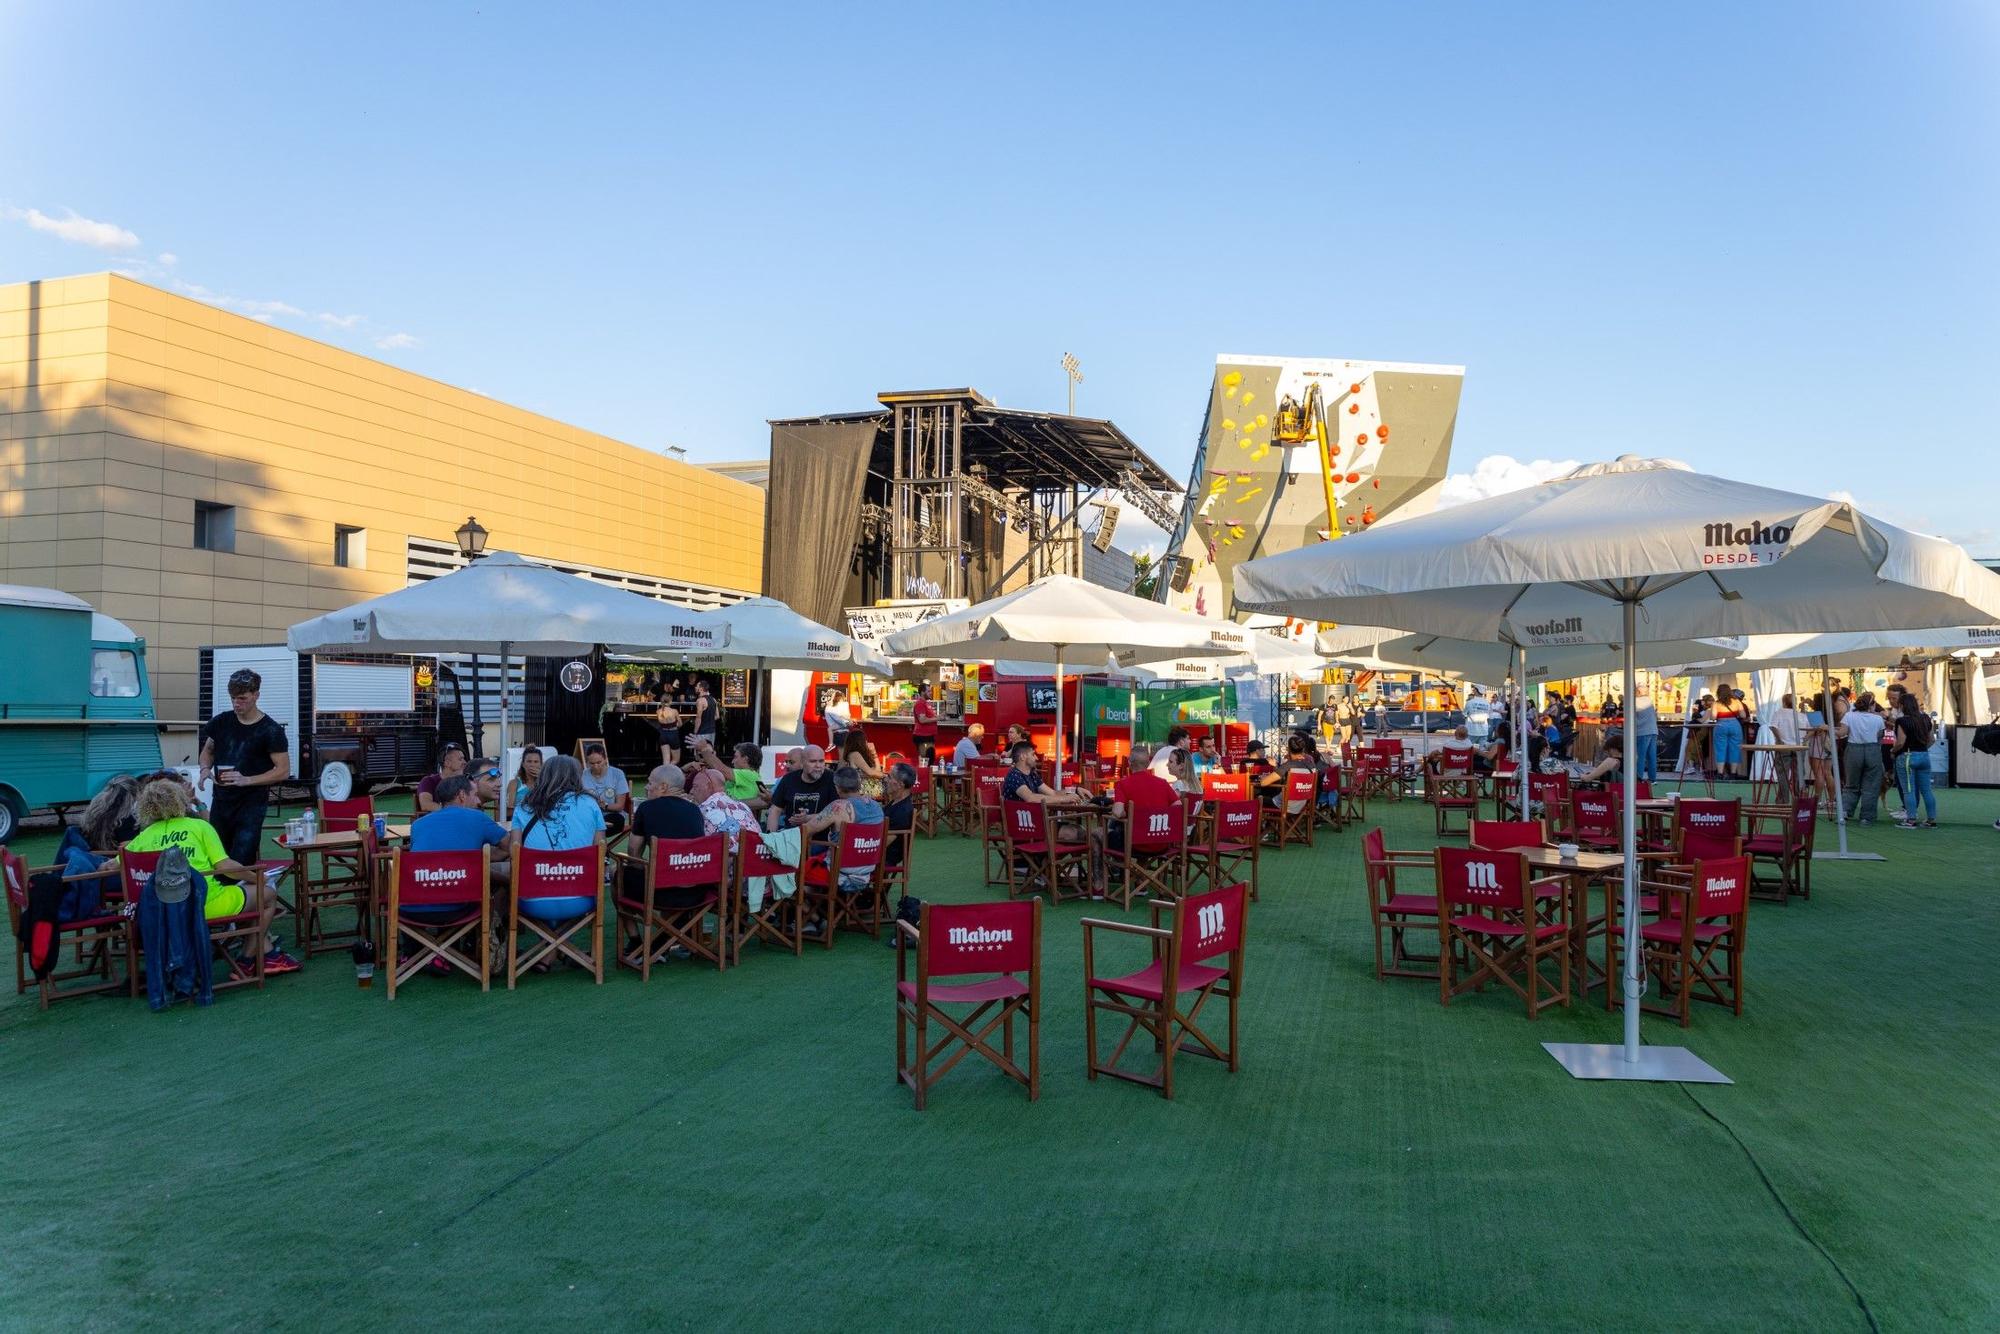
(731, 1151)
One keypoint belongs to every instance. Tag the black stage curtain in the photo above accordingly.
(814, 504)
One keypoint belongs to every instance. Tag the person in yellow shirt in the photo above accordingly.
(164, 814)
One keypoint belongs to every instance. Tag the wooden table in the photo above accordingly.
(1580, 871)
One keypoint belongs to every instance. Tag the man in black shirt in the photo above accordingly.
(899, 807)
(246, 751)
(802, 793)
(665, 813)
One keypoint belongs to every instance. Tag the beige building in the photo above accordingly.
(209, 479)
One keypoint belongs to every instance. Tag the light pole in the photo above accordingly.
(1074, 369)
(471, 546)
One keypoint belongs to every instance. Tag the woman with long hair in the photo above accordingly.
(109, 821)
(529, 773)
(671, 737)
(1727, 742)
(857, 750)
(1819, 754)
(1914, 734)
(557, 814)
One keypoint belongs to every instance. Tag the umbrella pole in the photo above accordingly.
(1630, 1060)
(1059, 719)
(506, 704)
(1839, 792)
(1521, 725)
(757, 708)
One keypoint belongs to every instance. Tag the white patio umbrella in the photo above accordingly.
(1866, 648)
(768, 635)
(1624, 552)
(1484, 661)
(504, 604)
(1058, 618)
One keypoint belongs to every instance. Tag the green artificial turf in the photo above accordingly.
(732, 1150)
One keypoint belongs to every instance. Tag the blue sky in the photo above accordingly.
(1760, 238)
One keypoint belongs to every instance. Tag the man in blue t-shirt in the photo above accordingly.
(459, 825)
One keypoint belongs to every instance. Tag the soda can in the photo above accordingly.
(381, 826)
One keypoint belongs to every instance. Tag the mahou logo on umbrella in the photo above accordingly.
(1753, 543)
(1555, 630)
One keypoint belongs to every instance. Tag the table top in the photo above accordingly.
(331, 838)
(1548, 859)
(1776, 747)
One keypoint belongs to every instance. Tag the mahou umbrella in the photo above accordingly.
(1622, 552)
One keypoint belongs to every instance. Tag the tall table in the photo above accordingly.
(1580, 871)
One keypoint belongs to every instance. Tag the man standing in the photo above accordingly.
(706, 712)
(1646, 734)
(245, 751)
(923, 724)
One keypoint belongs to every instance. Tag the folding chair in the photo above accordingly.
(1717, 817)
(835, 892)
(1340, 798)
(898, 849)
(1378, 773)
(1155, 855)
(1487, 909)
(1224, 787)
(959, 940)
(1548, 796)
(1696, 948)
(1230, 848)
(436, 900)
(95, 939)
(1593, 821)
(237, 940)
(1032, 844)
(924, 802)
(1452, 789)
(696, 869)
(989, 782)
(1661, 873)
(557, 896)
(347, 879)
(776, 921)
(1291, 817)
(1206, 926)
(1392, 910)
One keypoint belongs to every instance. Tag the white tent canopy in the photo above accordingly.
(1489, 662)
(506, 605)
(1632, 551)
(1269, 655)
(1876, 648)
(1059, 618)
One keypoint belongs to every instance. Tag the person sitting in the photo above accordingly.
(1609, 761)
(1139, 788)
(163, 810)
(111, 819)
(1489, 757)
(1265, 780)
(531, 769)
(858, 753)
(1460, 739)
(805, 791)
(967, 750)
(851, 806)
(608, 786)
(1024, 783)
(557, 814)
(1172, 755)
(1206, 758)
(451, 763)
(739, 777)
(458, 825)
(667, 812)
(899, 804)
(485, 775)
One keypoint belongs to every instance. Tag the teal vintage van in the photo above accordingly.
(76, 709)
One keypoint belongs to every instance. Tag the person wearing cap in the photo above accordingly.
(451, 763)
(244, 750)
(163, 812)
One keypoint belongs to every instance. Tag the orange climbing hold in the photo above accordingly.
(1354, 389)
(1382, 431)
(1353, 477)
(1353, 408)
(1361, 439)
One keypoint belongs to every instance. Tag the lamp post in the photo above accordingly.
(471, 546)
(1074, 369)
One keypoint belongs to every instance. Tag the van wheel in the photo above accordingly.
(10, 818)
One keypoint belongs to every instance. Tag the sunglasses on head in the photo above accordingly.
(489, 773)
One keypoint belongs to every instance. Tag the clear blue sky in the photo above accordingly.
(1761, 238)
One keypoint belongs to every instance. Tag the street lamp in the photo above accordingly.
(1075, 370)
(471, 540)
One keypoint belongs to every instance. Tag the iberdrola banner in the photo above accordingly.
(1160, 708)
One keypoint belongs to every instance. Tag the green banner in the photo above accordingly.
(1159, 709)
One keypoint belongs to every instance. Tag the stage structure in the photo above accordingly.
(941, 495)
(1298, 450)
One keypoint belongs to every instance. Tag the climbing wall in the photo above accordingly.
(1389, 428)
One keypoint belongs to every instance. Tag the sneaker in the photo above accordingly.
(1907, 824)
(277, 961)
(1928, 824)
(438, 968)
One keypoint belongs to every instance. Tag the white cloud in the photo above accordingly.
(76, 229)
(1497, 474)
(339, 321)
(395, 342)
(168, 258)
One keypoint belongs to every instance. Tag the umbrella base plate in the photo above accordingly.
(1849, 857)
(1606, 1060)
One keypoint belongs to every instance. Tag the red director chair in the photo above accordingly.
(347, 879)
(237, 940)
(989, 784)
(1593, 821)
(1291, 818)
(1393, 910)
(1453, 789)
(1224, 787)
(1487, 908)
(1229, 852)
(693, 873)
(439, 902)
(845, 890)
(774, 920)
(956, 941)
(1032, 843)
(1155, 856)
(96, 939)
(1788, 849)
(557, 897)
(1696, 948)
(1205, 927)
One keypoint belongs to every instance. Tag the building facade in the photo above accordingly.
(209, 479)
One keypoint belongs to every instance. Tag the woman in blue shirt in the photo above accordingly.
(560, 816)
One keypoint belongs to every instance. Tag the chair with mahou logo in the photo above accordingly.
(1156, 999)
(989, 784)
(775, 921)
(1225, 849)
(685, 880)
(1789, 849)
(844, 892)
(237, 942)
(1695, 950)
(1488, 915)
(1453, 789)
(1393, 909)
(94, 940)
(964, 940)
(1291, 818)
(1716, 817)
(1037, 860)
(1154, 856)
(556, 897)
(440, 903)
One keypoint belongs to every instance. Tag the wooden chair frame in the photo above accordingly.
(1055, 858)
(438, 940)
(555, 939)
(1282, 823)
(1506, 918)
(1454, 788)
(778, 921)
(1156, 863)
(1217, 861)
(1169, 1021)
(662, 930)
(990, 821)
(354, 887)
(1392, 911)
(859, 910)
(251, 927)
(1695, 969)
(996, 1005)
(1792, 859)
(95, 940)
